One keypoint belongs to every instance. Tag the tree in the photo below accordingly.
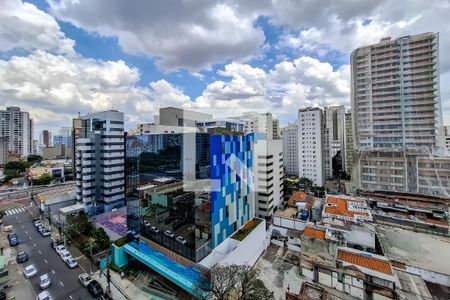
(101, 239)
(236, 282)
(18, 166)
(305, 183)
(44, 179)
(34, 159)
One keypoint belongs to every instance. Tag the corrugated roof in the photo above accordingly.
(364, 261)
(315, 233)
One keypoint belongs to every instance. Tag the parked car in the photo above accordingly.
(37, 224)
(95, 289)
(169, 233)
(146, 223)
(71, 262)
(21, 257)
(45, 232)
(181, 240)
(154, 229)
(105, 296)
(44, 296)
(60, 248)
(84, 279)
(8, 228)
(2, 295)
(65, 255)
(13, 240)
(30, 271)
(40, 228)
(55, 243)
(44, 281)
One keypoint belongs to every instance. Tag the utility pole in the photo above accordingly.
(91, 244)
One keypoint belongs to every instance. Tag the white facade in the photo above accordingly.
(290, 149)
(151, 128)
(17, 126)
(228, 124)
(258, 122)
(310, 145)
(269, 174)
(100, 161)
(334, 137)
(173, 116)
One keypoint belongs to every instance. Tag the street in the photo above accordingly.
(64, 281)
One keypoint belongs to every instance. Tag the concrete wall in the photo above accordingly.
(289, 223)
(430, 276)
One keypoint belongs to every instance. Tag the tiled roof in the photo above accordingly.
(339, 207)
(315, 233)
(301, 197)
(364, 261)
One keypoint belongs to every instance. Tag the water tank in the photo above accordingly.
(304, 216)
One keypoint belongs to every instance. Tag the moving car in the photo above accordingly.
(13, 240)
(60, 248)
(169, 233)
(95, 289)
(84, 279)
(30, 271)
(44, 281)
(65, 255)
(181, 240)
(21, 257)
(44, 296)
(71, 262)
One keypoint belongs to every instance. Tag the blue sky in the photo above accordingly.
(224, 57)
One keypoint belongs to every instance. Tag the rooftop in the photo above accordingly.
(315, 233)
(301, 197)
(365, 260)
(417, 249)
(347, 207)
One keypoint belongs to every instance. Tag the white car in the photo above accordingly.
(44, 281)
(30, 271)
(146, 223)
(65, 255)
(71, 262)
(154, 229)
(169, 233)
(181, 240)
(45, 232)
(44, 296)
(84, 279)
(60, 248)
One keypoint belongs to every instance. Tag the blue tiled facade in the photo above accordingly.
(232, 197)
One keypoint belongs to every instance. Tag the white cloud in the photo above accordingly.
(179, 34)
(24, 26)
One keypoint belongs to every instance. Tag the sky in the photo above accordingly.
(61, 58)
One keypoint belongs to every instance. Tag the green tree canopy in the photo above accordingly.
(34, 158)
(44, 179)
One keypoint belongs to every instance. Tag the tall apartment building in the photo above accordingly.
(334, 139)
(3, 150)
(276, 129)
(310, 145)
(100, 161)
(349, 146)
(75, 131)
(64, 137)
(396, 109)
(46, 138)
(395, 93)
(259, 122)
(172, 116)
(269, 174)
(17, 126)
(447, 136)
(290, 149)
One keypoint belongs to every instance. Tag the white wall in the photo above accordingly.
(289, 223)
(430, 276)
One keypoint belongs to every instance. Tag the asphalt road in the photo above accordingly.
(64, 281)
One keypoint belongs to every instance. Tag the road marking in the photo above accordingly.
(53, 271)
(61, 283)
(29, 238)
(8, 212)
(34, 244)
(26, 232)
(45, 261)
(39, 251)
(22, 226)
(70, 296)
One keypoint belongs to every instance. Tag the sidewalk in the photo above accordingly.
(122, 289)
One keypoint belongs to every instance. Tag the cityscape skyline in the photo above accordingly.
(290, 64)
